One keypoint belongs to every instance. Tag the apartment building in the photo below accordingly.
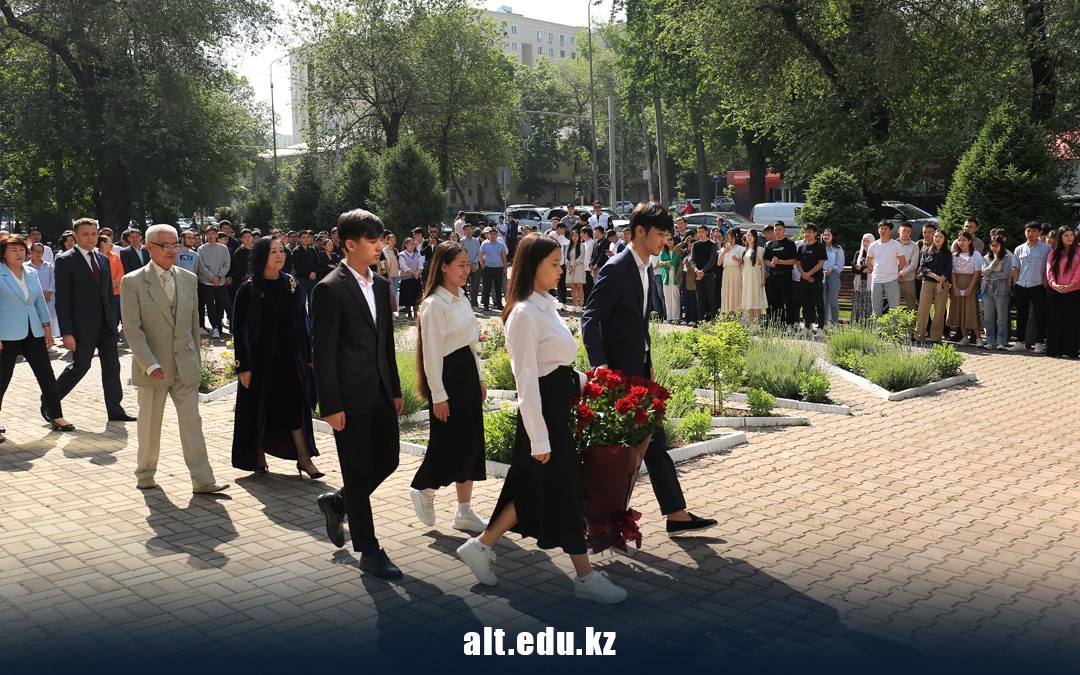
(526, 40)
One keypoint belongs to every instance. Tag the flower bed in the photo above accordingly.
(887, 362)
(216, 369)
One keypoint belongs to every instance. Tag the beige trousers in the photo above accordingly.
(927, 301)
(151, 414)
(907, 294)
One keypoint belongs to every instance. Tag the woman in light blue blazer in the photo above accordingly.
(25, 327)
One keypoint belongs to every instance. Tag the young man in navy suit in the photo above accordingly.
(356, 377)
(615, 329)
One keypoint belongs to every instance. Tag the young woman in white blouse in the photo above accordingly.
(449, 376)
(541, 497)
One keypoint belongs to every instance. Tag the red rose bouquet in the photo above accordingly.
(616, 418)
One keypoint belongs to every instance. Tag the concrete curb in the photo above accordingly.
(220, 392)
(760, 422)
(884, 394)
(788, 403)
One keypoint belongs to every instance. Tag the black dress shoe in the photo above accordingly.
(62, 427)
(45, 413)
(378, 564)
(335, 522)
(3, 429)
(122, 417)
(678, 527)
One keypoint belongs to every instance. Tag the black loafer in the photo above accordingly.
(335, 522)
(122, 417)
(45, 413)
(378, 564)
(680, 527)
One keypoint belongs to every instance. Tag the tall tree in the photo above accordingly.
(407, 188)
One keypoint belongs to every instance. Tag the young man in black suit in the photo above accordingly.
(615, 330)
(357, 381)
(84, 308)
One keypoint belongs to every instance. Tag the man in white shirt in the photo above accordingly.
(598, 218)
(460, 225)
(587, 244)
(885, 260)
(909, 248)
(33, 236)
(558, 232)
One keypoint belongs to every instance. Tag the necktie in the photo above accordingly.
(94, 267)
(166, 284)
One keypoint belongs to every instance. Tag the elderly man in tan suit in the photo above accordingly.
(161, 319)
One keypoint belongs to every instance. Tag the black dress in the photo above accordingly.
(455, 452)
(547, 497)
(272, 341)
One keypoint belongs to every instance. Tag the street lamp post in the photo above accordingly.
(273, 127)
(592, 107)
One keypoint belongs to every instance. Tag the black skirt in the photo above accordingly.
(547, 497)
(455, 451)
(409, 290)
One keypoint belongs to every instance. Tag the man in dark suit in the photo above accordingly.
(357, 381)
(84, 309)
(134, 256)
(615, 330)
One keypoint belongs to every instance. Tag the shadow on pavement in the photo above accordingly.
(195, 530)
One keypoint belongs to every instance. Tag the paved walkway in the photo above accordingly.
(925, 535)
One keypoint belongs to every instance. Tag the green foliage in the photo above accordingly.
(353, 181)
(303, 196)
(898, 369)
(407, 188)
(682, 402)
(492, 339)
(695, 426)
(814, 387)
(834, 200)
(259, 211)
(946, 361)
(216, 369)
(848, 339)
(498, 373)
(1006, 178)
(410, 391)
(500, 428)
(227, 213)
(897, 325)
(778, 366)
(761, 402)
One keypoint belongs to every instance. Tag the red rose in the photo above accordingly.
(593, 390)
(659, 408)
(601, 375)
(584, 415)
(638, 393)
(653, 388)
(637, 381)
(624, 405)
(615, 381)
(662, 394)
(640, 417)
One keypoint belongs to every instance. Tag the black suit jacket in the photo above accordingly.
(84, 307)
(132, 259)
(355, 364)
(614, 328)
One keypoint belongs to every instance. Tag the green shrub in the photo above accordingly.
(498, 373)
(852, 361)
(897, 325)
(696, 425)
(582, 360)
(410, 393)
(814, 387)
(851, 338)
(835, 200)
(500, 428)
(896, 370)
(778, 366)
(699, 377)
(761, 402)
(671, 430)
(946, 361)
(682, 401)
(492, 339)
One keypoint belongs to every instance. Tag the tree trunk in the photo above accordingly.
(704, 179)
(1043, 75)
(755, 153)
(661, 152)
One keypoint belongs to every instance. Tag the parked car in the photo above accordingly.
(624, 207)
(679, 204)
(899, 211)
(534, 213)
(723, 203)
(767, 213)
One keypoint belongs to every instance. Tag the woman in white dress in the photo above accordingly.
(753, 276)
(575, 270)
(731, 256)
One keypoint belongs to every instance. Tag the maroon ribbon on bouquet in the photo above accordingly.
(614, 534)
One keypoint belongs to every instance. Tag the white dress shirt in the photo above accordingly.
(538, 342)
(367, 287)
(86, 257)
(21, 281)
(643, 272)
(447, 324)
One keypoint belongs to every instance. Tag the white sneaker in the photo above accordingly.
(1039, 348)
(963, 343)
(424, 504)
(1001, 347)
(1018, 347)
(597, 587)
(215, 334)
(979, 343)
(469, 522)
(479, 562)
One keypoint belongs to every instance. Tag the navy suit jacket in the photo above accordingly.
(614, 328)
(132, 259)
(84, 306)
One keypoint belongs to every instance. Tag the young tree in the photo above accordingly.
(259, 211)
(303, 196)
(354, 179)
(407, 190)
(835, 201)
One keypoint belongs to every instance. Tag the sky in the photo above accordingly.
(256, 66)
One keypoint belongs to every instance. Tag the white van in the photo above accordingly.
(768, 213)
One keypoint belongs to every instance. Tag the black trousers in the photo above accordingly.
(493, 281)
(218, 303)
(812, 299)
(1062, 323)
(33, 348)
(1026, 300)
(474, 285)
(780, 296)
(706, 297)
(562, 286)
(662, 475)
(110, 369)
(588, 283)
(367, 451)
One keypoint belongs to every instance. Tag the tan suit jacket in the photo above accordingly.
(157, 333)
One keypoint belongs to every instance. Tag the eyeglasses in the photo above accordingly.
(166, 247)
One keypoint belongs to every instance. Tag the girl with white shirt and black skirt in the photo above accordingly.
(449, 377)
(541, 496)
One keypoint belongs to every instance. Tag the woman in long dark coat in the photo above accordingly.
(272, 340)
